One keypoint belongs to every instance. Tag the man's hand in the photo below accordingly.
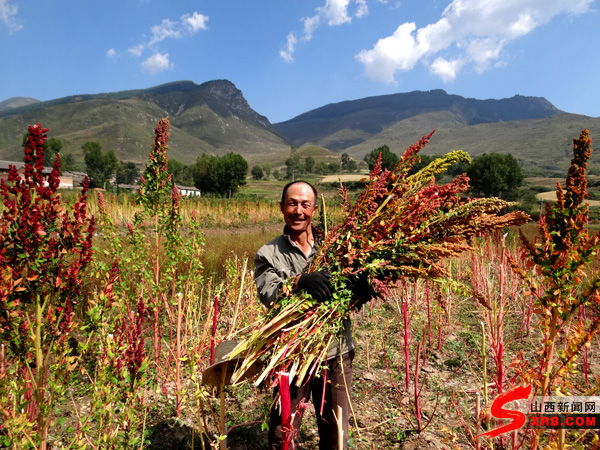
(361, 288)
(317, 285)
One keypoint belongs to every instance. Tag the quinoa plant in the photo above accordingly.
(44, 249)
(559, 271)
(150, 272)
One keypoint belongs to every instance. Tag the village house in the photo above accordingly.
(68, 180)
(189, 191)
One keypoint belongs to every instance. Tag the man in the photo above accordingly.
(286, 257)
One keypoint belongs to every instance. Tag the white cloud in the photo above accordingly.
(446, 70)
(7, 16)
(194, 22)
(158, 62)
(287, 53)
(112, 53)
(188, 24)
(334, 13)
(136, 50)
(477, 31)
(397, 52)
(167, 29)
(361, 8)
(310, 25)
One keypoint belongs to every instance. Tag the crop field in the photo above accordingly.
(110, 310)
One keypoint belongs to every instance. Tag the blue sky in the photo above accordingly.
(291, 56)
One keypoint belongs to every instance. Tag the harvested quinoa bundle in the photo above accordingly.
(401, 226)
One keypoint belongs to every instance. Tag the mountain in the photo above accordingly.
(341, 125)
(215, 118)
(530, 128)
(16, 102)
(212, 118)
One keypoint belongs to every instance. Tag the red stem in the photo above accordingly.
(214, 330)
(286, 409)
(439, 344)
(585, 350)
(417, 393)
(428, 312)
(406, 353)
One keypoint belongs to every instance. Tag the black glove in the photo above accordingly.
(361, 289)
(317, 285)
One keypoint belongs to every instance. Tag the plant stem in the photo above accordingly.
(406, 353)
(417, 393)
(39, 369)
(178, 355)
(484, 359)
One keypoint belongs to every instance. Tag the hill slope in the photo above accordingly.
(16, 102)
(341, 125)
(530, 128)
(540, 145)
(212, 117)
(215, 118)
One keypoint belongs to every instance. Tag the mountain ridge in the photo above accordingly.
(211, 117)
(214, 118)
(371, 115)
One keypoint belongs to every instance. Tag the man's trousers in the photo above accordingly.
(330, 395)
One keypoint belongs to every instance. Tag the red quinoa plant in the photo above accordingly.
(44, 249)
(558, 269)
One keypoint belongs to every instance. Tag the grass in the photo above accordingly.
(222, 245)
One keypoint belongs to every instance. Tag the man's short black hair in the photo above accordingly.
(291, 183)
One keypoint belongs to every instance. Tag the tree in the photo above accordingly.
(321, 168)
(234, 169)
(100, 166)
(182, 174)
(334, 167)
(348, 164)
(292, 166)
(257, 172)
(309, 164)
(267, 169)
(220, 175)
(67, 162)
(495, 175)
(277, 175)
(127, 173)
(51, 148)
(388, 159)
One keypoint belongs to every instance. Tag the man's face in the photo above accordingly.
(298, 207)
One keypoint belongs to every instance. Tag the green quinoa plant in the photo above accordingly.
(150, 272)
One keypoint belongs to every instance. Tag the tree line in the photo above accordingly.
(296, 166)
(490, 174)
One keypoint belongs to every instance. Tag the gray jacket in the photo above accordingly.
(280, 259)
